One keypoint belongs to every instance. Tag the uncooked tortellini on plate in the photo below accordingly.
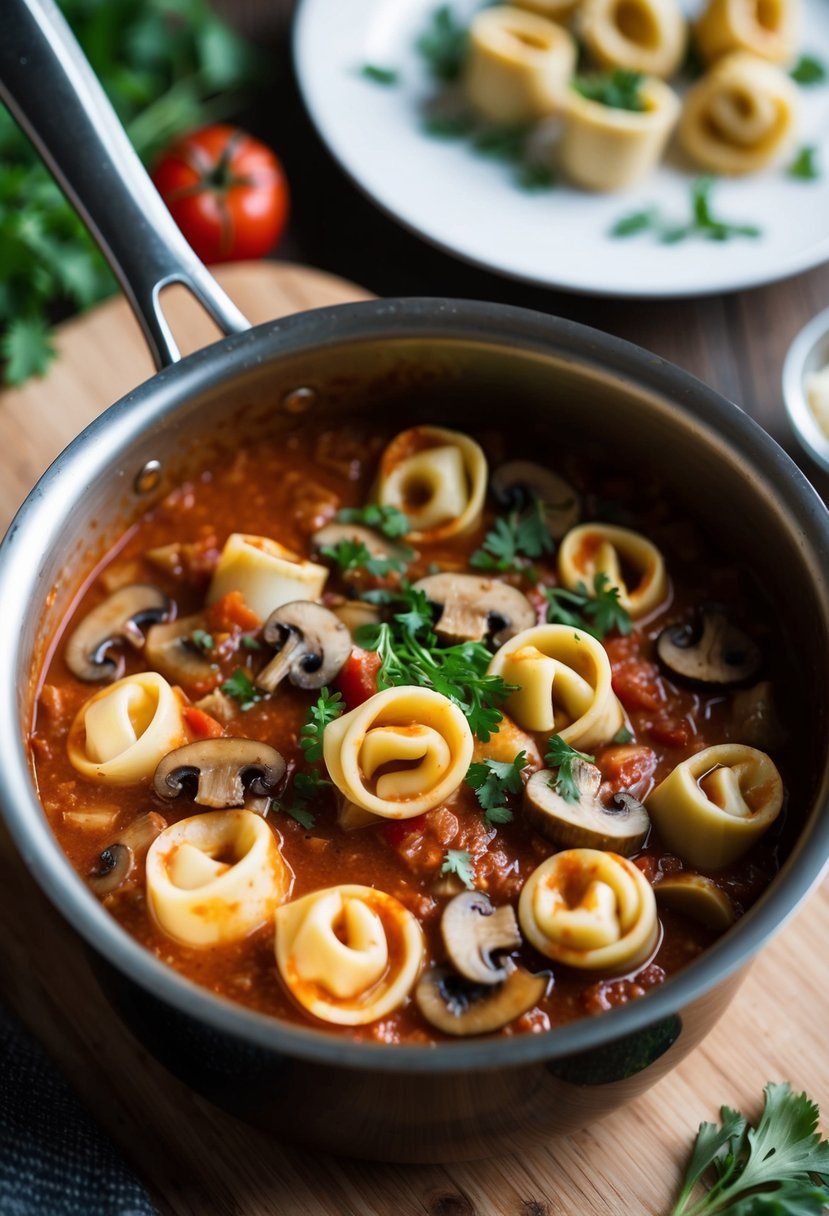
(348, 954)
(437, 478)
(122, 732)
(629, 561)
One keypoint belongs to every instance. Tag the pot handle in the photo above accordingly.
(54, 95)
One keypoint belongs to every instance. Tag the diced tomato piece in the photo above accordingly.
(670, 732)
(637, 685)
(622, 767)
(357, 680)
(395, 831)
(231, 612)
(201, 724)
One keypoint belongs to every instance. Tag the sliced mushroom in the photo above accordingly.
(473, 931)
(171, 650)
(118, 619)
(118, 862)
(697, 897)
(458, 1007)
(518, 481)
(226, 771)
(710, 651)
(472, 608)
(621, 827)
(354, 613)
(334, 534)
(311, 644)
(754, 718)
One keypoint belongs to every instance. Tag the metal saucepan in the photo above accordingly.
(464, 364)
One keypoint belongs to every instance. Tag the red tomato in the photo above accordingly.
(226, 191)
(200, 724)
(358, 679)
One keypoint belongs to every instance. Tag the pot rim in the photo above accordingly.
(368, 321)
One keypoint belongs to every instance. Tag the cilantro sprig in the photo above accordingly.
(779, 1167)
(521, 535)
(598, 612)
(562, 756)
(327, 708)
(493, 781)
(703, 223)
(459, 862)
(410, 654)
(386, 520)
(620, 89)
(356, 555)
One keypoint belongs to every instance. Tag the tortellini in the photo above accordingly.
(348, 954)
(817, 394)
(768, 28)
(639, 35)
(401, 753)
(265, 573)
(518, 65)
(632, 564)
(435, 477)
(554, 10)
(715, 804)
(740, 116)
(590, 909)
(606, 148)
(564, 684)
(122, 732)
(216, 878)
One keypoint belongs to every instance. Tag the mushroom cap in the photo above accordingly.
(171, 650)
(710, 651)
(312, 645)
(517, 481)
(621, 827)
(117, 863)
(457, 1007)
(473, 930)
(117, 619)
(472, 607)
(227, 771)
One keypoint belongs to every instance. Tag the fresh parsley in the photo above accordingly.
(448, 126)
(202, 640)
(250, 643)
(458, 861)
(562, 756)
(809, 70)
(242, 689)
(410, 654)
(443, 45)
(356, 555)
(703, 223)
(304, 789)
(597, 612)
(513, 538)
(779, 1167)
(378, 74)
(805, 166)
(329, 705)
(534, 176)
(493, 781)
(386, 520)
(620, 89)
(622, 736)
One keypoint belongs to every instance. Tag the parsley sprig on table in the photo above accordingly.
(598, 613)
(327, 707)
(703, 222)
(356, 555)
(562, 756)
(513, 538)
(459, 862)
(410, 654)
(778, 1168)
(620, 89)
(493, 781)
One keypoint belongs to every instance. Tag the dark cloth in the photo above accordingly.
(54, 1160)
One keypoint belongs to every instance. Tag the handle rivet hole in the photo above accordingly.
(147, 477)
(298, 400)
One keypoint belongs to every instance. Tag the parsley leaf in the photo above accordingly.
(305, 788)
(521, 534)
(443, 45)
(387, 520)
(622, 736)
(242, 689)
(492, 781)
(329, 705)
(458, 861)
(250, 643)
(780, 1166)
(703, 223)
(202, 639)
(597, 612)
(805, 166)
(809, 70)
(356, 555)
(620, 89)
(378, 74)
(562, 756)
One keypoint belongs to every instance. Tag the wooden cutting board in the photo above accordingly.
(200, 1162)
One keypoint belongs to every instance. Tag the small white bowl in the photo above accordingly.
(809, 353)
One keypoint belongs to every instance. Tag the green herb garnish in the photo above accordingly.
(459, 862)
(809, 70)
(329, 705)
(622, 736)
(356, 555)
(250, 643)
(778, 1168)
(378, 74)
(512, 538)
(448, 126)
(703, 223)
(535, 176)
(562, 756)
(596, 613)
(387, 520)
(202, 639)
(242, 689)
(304, 789)
(501, 143)
(443, 45)
(620, 89)
(410, 654)
(805, 166)
(492, 781)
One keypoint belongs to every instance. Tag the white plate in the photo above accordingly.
(469, 205)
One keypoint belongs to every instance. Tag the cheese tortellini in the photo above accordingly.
(768, 28)
(348, 954)
(564, 684)
(632, 564)
(715, 804)
(122, 732)
(740, 116)
(437, 478)
(518, 65)
(215, 878)
(590, 909)
(265, 573)
(401, 753)
(639, 35)
(606, 148)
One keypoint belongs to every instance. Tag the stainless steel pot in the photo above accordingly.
(467, 364)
